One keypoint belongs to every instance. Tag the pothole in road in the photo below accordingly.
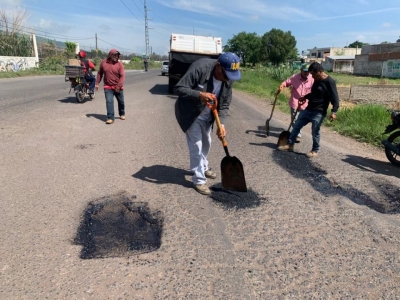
(235, 200)
(116, 226)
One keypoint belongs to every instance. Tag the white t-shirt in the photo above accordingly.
(206, 113)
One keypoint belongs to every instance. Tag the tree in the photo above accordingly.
(246, 46)
(12, 40)
(357, 44)
(278, 46)
(70, 49)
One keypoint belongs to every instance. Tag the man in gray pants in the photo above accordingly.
(207, 79)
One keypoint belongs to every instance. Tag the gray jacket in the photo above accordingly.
(199, 78)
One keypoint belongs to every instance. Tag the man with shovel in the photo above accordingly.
(301, 84)
(323, 92)
(206, 80)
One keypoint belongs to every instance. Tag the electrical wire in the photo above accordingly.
(131, 11)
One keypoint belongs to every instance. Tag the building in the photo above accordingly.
(319, 54)
(339, 64)
(378, 60)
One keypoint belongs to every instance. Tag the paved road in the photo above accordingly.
(326, 228)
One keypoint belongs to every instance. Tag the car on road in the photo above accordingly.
(164, 67)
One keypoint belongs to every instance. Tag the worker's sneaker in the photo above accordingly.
(312, 154)
(210, 174)
(109, 121)
(286, 147)
(202, 189)
(298, 139)
(122, 117)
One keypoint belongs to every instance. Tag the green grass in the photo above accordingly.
(348, 79)
(365, 123)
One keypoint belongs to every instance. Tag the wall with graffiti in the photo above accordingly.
(14, 64)
(391, 69)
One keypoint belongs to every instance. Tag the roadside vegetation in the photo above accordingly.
(363, 122)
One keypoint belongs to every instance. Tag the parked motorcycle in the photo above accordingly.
(392, 144)
(74, 74)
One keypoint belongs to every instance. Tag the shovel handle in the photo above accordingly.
(273, 107)
(213, 107)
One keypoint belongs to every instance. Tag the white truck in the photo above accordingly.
(185, 49)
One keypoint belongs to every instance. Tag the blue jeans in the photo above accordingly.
(92, 82)
(305, 117)
(110, 103)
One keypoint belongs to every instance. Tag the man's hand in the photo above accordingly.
(96, 87)
(221, 134)
(333, 117)
(279, 89)
(117, 89)
(207, 97)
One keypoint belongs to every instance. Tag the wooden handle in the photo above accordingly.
(273, 107)
(224, 143)
(213, 107)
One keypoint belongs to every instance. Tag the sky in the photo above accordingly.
(121, 23)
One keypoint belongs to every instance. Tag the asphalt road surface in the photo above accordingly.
(96, 211)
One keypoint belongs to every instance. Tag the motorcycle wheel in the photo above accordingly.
(394, 138)
(80, 95)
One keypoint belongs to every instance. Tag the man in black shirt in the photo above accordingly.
(322, 93)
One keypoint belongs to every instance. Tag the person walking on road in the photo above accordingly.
(206, 80)
(301, 85)
(323, 92)
(114, 77)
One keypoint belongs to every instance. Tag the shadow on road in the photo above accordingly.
(160, 174)
(274, 132)
(318, 178)
(97, 116)
(372, 165)
(159, 89)
(71, 99)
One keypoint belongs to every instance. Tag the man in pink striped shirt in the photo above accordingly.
(301, 84)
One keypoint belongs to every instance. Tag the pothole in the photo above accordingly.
(116, 226)
(235, 200)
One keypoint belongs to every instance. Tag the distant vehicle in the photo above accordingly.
(164, 67)
(185, 49)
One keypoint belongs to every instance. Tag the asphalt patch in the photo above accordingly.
(232, 200)
(116, 226)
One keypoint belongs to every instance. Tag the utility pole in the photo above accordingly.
(95, 37)
(146, 28)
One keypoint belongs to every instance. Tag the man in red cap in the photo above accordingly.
(114, 77)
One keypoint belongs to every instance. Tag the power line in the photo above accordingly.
(136, 5)
(130, 11)
(46, 32)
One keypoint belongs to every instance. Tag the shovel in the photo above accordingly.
(284, 136)
(270, 117)
(232, 174)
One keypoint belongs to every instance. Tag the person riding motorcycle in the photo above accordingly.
(88, 67)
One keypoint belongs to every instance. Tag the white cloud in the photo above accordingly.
(237, 9)
(4, 3)
(386, 24)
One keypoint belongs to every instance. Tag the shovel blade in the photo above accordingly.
(267, 127)
(283, 138)
(232, 174)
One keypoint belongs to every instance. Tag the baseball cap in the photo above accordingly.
(305, 67)
(231, 63)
